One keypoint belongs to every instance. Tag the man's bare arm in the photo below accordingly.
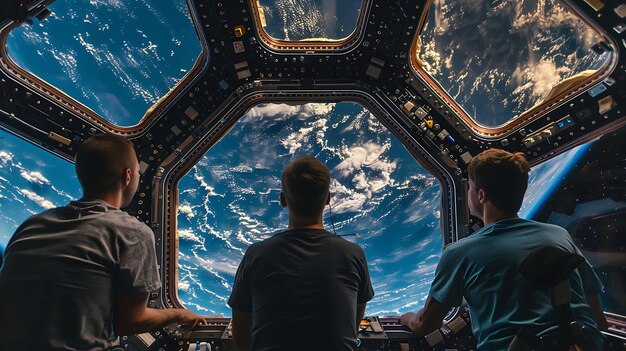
(242, 330)
(428, 319)
(133, 317)
(594, 302)
(360, 313)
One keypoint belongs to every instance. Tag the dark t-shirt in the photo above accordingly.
(60, 273)
(302, 287)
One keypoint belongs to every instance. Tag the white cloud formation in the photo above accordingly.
(188, 234)
(5, 157)
(357, 157)
(282, 111)
(539, 77)
(183, 285)
(40, 200)
(34, 177)
(186, 209)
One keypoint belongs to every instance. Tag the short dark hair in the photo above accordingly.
(305, 184)
(503, 176)
(101, 160)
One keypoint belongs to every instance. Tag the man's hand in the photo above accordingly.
(189, 320)
(426, 320)
(133, 317)
(407, 319)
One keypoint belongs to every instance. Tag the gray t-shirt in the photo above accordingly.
(61, 271)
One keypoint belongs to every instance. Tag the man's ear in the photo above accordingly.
(127, 177)
(283, 200)
(482, 196)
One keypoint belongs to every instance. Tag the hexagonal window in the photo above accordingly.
(382, 199)
(499, 61)
(310, 20)
(116, 57)
(31, 180)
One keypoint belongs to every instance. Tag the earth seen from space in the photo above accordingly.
(119, 61)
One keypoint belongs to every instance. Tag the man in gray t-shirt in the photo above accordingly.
(74, 277)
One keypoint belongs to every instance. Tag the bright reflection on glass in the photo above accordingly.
(230, 200)
(116, 57)
(582, 191)
(297, 20)
(31, 180)
(499, 59)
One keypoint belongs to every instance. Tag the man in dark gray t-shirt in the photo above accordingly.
(74, 277)
(305, 288)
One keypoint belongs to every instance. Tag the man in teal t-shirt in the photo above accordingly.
(484, 267)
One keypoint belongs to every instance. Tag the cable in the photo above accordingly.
(330, 212)
(332, 223)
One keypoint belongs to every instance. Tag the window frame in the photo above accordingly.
(309, 46)
(452, 218)
(535, 112)
(152, 114)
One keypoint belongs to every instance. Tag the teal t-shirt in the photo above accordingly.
(483, 269)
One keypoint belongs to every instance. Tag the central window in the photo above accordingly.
(381, 199)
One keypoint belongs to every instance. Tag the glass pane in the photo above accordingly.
(498, 59)
(297, 20)
(31, 180)
(230, 200)
(116, 57)
(584, 192)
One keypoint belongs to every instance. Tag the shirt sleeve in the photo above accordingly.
(241, 296)
(138, 270)
(447, 287)
(590, 280)
(592, 284)
(366, 291)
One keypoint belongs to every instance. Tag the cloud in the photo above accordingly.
(188, 234)
(187, 210)
(183, 285)
(223, 265)
(34, 177)
(296, 140)
(540, 77)
(283, 111)
(5, 157)
(368, 155)
(40, 200)
(363, 173)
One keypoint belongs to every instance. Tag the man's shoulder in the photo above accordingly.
(548, 226)
(463, 243)
(103, 216)
(283, 238)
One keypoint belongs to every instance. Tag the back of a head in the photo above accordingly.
(503, 176)
(101, 160)
(305, 183)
